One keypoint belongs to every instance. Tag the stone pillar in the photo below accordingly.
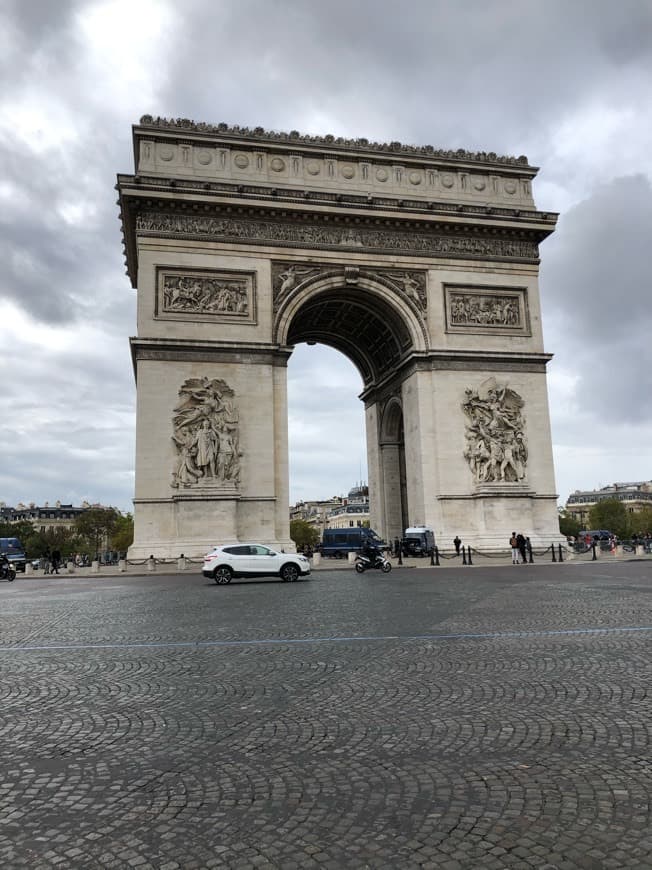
(181, 563)
(351, 557)
(122, 565)
(151, 563)
(316, 560)
(95, 567)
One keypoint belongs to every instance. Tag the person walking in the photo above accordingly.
(513, 543)
(520, 543)
(56, 561)
(458, 543)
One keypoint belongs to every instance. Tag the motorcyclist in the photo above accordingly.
(369, 551)
(4, 565)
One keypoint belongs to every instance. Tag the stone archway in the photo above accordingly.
(420, 265)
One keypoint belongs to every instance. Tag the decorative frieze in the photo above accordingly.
(327, 236)
(206, 436)
(288, 277)
(486, 309)
(496, 447)
(205, 295)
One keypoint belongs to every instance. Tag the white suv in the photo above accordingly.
(253, 560)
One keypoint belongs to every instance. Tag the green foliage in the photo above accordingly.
(95, 527)
(123, 534)
(303, 534)
(641, 521)
(568, 525)
(610, 513)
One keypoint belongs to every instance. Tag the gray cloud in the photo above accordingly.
(565, 83)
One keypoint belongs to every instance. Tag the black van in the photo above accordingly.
(339, 542)
(14, 551)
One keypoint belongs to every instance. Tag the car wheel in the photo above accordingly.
(387, 567)
(289, 573)
(222, 575)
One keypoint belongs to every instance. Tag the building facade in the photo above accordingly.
(635, 496)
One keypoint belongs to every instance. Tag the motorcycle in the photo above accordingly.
(7, 572)
(364, 563)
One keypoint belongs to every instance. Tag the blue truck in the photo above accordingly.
(339, 542)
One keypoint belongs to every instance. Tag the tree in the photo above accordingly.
(568, 525)
(303, 534)
(96, 526)
(610, 514)
(641, 521)
(123, 535)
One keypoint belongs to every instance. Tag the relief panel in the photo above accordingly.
(205, 295)
(497, 310)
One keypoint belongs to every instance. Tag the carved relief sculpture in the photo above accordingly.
(205, 435)
(287, 277)
(221, 293)
(486, 310)
(496, 448)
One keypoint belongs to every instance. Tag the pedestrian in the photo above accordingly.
(513, 543)
(46, 561)
(520, 543)
(458, 543)
(56, 561)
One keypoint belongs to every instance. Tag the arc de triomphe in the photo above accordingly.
(420, 265)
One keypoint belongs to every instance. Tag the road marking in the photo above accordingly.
(295, 641)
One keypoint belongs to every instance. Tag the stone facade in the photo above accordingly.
(420, 265)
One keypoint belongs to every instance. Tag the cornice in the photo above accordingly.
(301, 140)
(459, 235)
(191, 350)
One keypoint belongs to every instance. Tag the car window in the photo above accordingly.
(241, 550)
(258, 550)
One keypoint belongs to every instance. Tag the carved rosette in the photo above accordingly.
(206, 436)
(288, 277)
(496, 447)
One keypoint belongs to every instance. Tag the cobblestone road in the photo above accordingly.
(443, 718)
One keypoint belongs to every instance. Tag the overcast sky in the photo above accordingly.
(566, 82)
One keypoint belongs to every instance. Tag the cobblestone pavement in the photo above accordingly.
(441, 718)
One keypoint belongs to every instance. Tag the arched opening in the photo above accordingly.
(326, 424)
(372, 330)
(393, 469)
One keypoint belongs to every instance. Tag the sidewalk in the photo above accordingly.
(446, 560)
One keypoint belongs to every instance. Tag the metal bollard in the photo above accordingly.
(400, 555)
(432, 556)
(552, 547)
(529, 550)
(463, 555)
(561, 558)
(437, 556)
(469, 559)
(594, 556)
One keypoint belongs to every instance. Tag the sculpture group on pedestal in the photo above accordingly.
(205, 435)
(496, 446)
